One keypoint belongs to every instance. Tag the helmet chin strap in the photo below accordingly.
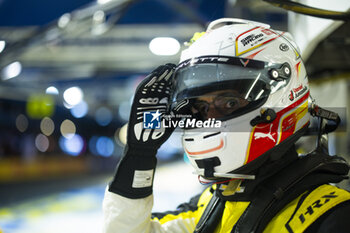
(228, 187)
(228, 175)
(209, 171)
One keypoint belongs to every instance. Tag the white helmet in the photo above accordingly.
(251, 78)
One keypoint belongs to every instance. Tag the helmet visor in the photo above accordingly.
(224, 87)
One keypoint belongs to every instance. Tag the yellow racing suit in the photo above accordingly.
(317, 207)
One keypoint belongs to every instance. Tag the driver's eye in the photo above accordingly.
(226, 102)
(230, 103)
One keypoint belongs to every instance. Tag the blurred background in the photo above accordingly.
(68, 70)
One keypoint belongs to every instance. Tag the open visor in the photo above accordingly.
(225, 87)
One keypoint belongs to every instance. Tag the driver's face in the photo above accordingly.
(218, 104)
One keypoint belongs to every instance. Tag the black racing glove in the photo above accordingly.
(135, 171)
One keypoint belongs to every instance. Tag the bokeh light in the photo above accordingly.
(103, 1)
(68, 129)
(80, 110)
(73, 145)
(12, 70)
(2, 45)
(40, 105)
(64, 20)
(164, 46)
(41, 142)
(47, 126)
(21, 123)
(73, 95)
(105, 146)
(52, 90)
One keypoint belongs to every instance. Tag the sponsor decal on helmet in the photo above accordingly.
(204, 59)
(284, 47)
(254, 38)
(298, 91)
(251, 38)
(291, 96)
(290, 120)
(223, 60)
(265, 136)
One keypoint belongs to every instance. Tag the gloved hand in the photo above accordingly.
(135, 172)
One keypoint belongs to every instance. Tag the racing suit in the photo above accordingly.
(296, 198)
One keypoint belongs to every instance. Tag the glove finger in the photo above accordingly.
(158, 133)
(150, 79)
(146, 134)
(138, 127)
(166, 75)
(142, 134)
(161, 72)
(156, 84)
(153, 79)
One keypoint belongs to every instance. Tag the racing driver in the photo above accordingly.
(252, 79)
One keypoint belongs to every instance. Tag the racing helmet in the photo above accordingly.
(252, 79)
